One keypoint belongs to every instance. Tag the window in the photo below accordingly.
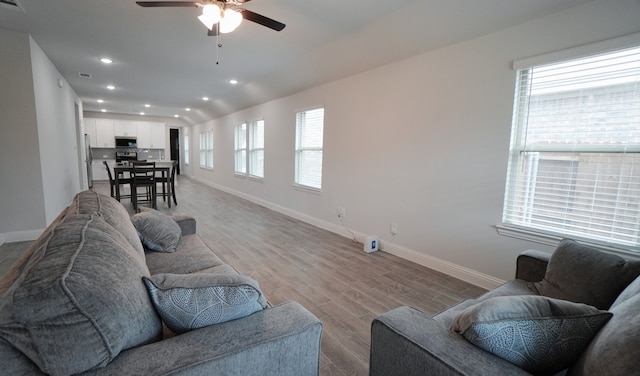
(249, 140)
(309, 140)
(206, 149)
(186, 149)
(256, 149)
(241, 149)
(574, 164)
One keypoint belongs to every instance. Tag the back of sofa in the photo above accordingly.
(76, 300)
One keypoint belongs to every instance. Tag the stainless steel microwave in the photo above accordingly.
(126, 142)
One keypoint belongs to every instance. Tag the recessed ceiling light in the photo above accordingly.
(233, 82)
(106, 60)
(104, 110)
(176, 115)
(205, 98)
(142, 113)
(187, 109)
(100, 100)
(147, 105)
(111, 87)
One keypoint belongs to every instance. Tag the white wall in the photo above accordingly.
(21, 190)
(57, 133)
(38, 157)
(422, 142)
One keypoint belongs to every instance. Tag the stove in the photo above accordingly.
(122, 156)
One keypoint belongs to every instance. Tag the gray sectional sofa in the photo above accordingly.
(575, 312)
(86, 298)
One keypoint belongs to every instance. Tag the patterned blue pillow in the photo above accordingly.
(191, 301)
(538, 334)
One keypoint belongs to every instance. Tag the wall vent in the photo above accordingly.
(83, 75)
(11, 4)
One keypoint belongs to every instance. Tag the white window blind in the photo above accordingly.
(574, 164)
(256, 149)
(241, 149)
(186, 149)
(309, 143)
(206, 149)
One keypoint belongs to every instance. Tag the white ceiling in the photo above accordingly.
(164, 57)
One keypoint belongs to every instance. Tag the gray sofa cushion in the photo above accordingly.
(614, 350)
(191, 255)
(579, 273)
(91, 202)
(80, 300)
(191, 301)
(539, 334)
(158, 231)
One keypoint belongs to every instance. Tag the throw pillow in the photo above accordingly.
(582, 274)
(157, 231)
(191, 301)
(538, 334)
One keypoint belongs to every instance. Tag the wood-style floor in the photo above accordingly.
(330, 275)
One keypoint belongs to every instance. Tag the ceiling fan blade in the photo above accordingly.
(262, 20)
(161, 4)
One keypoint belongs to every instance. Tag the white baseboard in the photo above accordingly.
(20, 236)
(468, 275)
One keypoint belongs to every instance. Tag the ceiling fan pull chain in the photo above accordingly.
(218, 46)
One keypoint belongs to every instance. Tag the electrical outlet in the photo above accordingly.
(342, 212)
(394, 228)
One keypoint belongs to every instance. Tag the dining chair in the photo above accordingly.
(112, 182)
(143, 176)
(168, 184)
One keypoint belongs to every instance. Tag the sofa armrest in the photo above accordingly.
(281, 340)
(186, 222)
(405, 341)
(531, 265)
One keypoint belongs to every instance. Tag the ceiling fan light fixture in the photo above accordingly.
(210, 15)
(231, 19)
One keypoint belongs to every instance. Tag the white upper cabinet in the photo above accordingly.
(125, 128)
(151, 135)
(105, 137)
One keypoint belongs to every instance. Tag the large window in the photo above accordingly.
(309, 143)
(241, 149)
(186, 150)
(206, 149)
(574, 165)
(249, 140)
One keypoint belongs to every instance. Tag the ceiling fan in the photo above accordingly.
(219, 16)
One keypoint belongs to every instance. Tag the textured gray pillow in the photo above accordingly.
(538, 334)
(191, 301)
(157, 231)
(582, 274)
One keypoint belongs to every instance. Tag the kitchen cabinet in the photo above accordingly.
(125, 128)
(104, 135)
(151, 135)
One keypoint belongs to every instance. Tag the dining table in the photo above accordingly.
(162, 168)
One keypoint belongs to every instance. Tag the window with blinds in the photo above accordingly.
(186, 149)
(249, 141)
(309, 143)
(241, 149)
(574, 165)
(256, 149)
(206, 149)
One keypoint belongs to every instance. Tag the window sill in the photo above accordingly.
(305, 188)
(553, 240)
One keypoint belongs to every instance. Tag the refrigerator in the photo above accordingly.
(88, 159)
